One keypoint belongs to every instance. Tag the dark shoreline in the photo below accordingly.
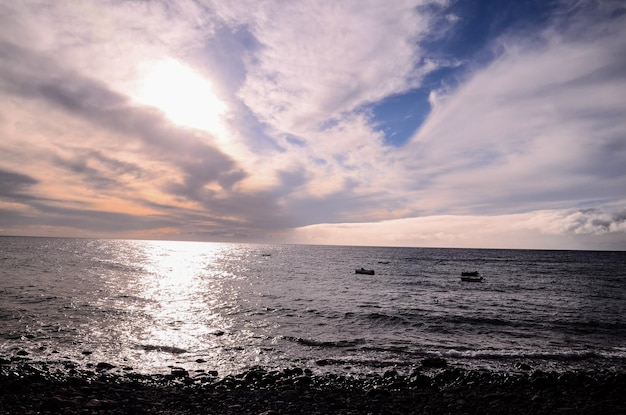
(30, 388)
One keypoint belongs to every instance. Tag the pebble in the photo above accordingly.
(434, 362)
(179, 372)
(32, 388)
(104, 366)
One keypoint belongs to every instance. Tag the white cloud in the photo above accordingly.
(107, 40)
(557, 229)
(313, 68)
(318, 60)
(542, 126)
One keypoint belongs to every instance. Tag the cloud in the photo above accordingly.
(523, 138)
(316, 61)
(104, 175)
(93, 102)
(555, 229)
(308, 95)
(106, 39)
(199, 172)
(591, 221)
(13, 184)
(543, 125)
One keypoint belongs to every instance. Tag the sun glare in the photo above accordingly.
(184, 96)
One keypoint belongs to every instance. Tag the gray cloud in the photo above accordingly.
(97, 178)
(593, 221)
(199, 162)
(14, 185)
(95, 103)
(83, 220)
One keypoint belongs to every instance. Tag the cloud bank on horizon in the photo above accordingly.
(405, 123)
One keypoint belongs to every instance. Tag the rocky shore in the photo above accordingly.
(431, 388)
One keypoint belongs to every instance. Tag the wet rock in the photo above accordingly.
(434, 362)
(269, 379)
(290, 395)
(302, 382)
(104, 366)
(69, 365)
(29, 388)
(22, 353)
(419, 380)
(377, 393)
(254, 376)
(99, 404)
(179, 372)
(390, 374)
(56, 403)
(86, 352)
(77, 381)
(200, 361)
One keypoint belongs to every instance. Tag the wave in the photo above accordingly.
(479, 321)
(511, 354)
(329, 344)
(593, 326)
(386, 319)
(112, 265)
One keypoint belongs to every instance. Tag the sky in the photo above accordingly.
(426, 123)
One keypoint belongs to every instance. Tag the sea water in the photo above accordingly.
(151, 305)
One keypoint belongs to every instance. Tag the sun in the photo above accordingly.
(185, 97)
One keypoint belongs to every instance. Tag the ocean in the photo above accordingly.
(154, 305)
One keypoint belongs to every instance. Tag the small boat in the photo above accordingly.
(364, 271)
(383, 262)
(472, 276)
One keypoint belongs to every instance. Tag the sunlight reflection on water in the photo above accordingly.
(184, 288)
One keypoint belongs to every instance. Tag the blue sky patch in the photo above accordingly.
(399, 116)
